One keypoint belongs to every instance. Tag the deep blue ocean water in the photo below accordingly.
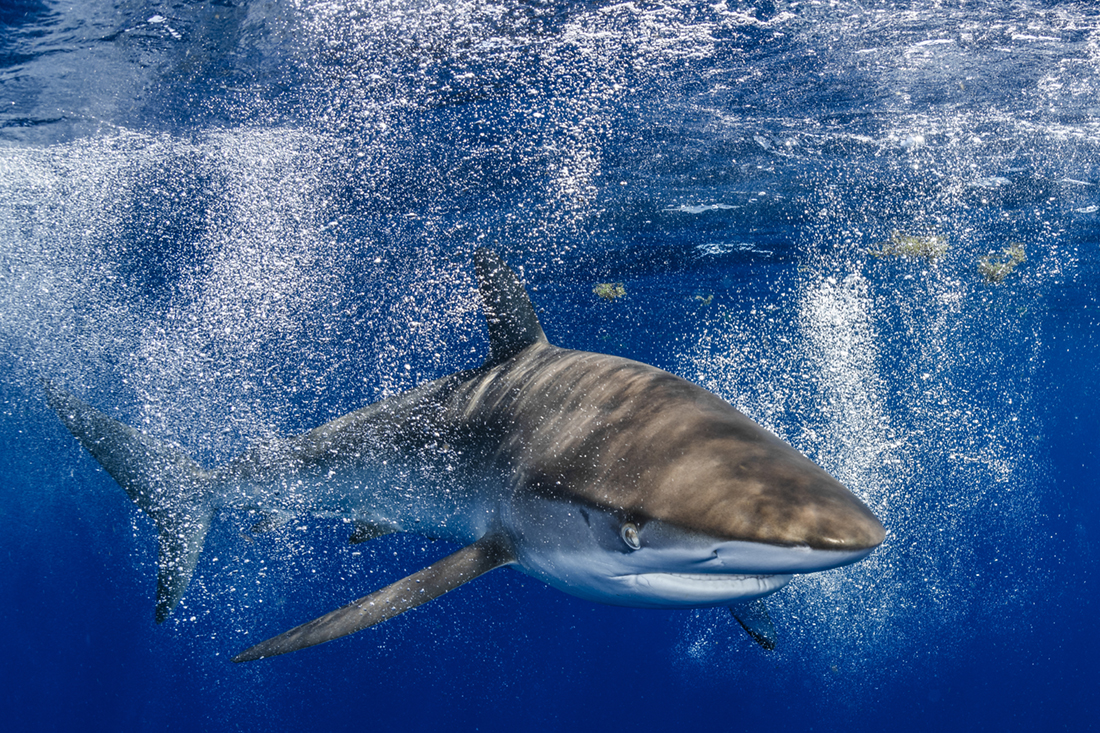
(227, 221)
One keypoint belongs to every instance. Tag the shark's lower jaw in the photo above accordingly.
(692, 590)
(596, 581)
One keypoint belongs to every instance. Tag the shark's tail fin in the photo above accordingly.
(171, 488)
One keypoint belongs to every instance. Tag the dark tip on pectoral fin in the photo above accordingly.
(754, 619)
(513, 325)
(460, 567)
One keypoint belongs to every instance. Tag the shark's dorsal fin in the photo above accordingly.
(513, 325)
(459, 567)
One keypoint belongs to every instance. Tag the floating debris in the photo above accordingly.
(699, 209)
(930, 247)
(995, 268)
(722, 248)
(991, 182)
(609, 291)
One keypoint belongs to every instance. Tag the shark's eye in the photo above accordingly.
(629, 533)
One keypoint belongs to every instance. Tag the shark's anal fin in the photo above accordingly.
(488, 553)
(753, 617)
(160, 478)
(177, 555)
(513, 325)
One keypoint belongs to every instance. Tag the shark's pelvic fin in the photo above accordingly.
(488, 553)
(270, 521)
(365, 530)
(513, 325)
(753, 617)
(160, 478)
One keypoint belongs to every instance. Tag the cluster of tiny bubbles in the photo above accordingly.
(911, 378)
(169, 268)
(60, 212)
(514, 106)
(252, 281)
(894, 414)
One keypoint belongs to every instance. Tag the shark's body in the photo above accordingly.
(604, 477)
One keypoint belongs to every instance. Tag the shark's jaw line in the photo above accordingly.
(607, 478)
(696, 590)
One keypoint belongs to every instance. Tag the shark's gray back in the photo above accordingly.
(620, 434)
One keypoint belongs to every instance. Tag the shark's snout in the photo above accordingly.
(864, 532)
(832, 519)
(750, 557)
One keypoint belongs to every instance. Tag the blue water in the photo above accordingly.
(227, 221)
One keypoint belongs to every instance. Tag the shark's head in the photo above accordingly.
(669, 497)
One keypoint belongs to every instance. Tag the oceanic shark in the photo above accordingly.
(603, 477)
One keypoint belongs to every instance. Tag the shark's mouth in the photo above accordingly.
(686, 590)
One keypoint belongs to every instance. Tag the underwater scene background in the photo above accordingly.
(872, 226)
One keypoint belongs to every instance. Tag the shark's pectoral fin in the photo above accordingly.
(753, 617)
(486, 554)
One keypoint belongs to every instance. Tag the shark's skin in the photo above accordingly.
(606, 478)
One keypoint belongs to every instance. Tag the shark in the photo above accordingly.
(606, 478)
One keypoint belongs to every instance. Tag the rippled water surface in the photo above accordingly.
(872, 226)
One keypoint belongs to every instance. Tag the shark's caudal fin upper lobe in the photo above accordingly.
(159, 477)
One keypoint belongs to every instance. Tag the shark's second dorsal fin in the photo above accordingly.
(365, 530)
(513, 325)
